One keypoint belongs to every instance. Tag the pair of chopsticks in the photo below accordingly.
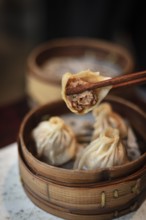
(116, 82)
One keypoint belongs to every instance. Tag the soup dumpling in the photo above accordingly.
(105, 117)
(55, 141)
(85, 101)
(103, 152)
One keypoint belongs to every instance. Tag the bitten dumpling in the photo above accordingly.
(83, 102)
(55, 141)
(105, 117)
(104, 152)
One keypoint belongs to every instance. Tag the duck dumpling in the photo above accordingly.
(83, 102)
(104, 152)
(55, 141)
(105, 117)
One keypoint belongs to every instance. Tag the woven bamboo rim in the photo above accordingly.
(76, 47)
(74, 177)
(104, 201)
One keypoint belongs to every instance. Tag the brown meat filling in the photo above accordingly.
(82, 100)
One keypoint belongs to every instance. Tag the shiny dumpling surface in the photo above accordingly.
(105, 117)
(55, 141)
(104, 152)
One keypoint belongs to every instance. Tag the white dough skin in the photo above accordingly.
(104, 152)
(105, 117)
(55, 141)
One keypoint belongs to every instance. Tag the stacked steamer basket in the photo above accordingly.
(82, 194)
(48, 62)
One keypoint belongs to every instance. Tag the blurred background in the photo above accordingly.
(27, 23)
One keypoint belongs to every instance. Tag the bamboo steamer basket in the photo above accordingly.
(43, 86)
(72, 194)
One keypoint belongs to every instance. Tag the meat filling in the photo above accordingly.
(82, 100)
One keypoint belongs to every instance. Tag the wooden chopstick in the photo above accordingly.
(116, 82)
(131, 83)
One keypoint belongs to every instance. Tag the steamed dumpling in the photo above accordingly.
(83, 102)
(106, 151)
(105, 117)
(55, 141)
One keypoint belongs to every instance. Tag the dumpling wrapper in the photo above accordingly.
(105, 117)
(55, 141)
(104, 152)
(83, 102)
